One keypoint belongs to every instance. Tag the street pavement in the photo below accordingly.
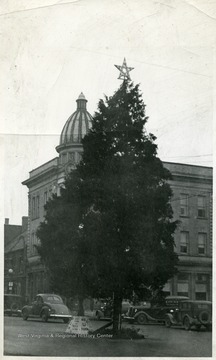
(36, 338)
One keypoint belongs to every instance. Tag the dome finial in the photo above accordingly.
(81, 96)
(81, 101)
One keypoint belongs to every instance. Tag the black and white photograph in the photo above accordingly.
(106, 138)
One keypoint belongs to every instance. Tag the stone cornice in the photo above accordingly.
(43, 175)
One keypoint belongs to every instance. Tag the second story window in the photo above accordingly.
(201, 206)
(184, 242)
(184, 205)
(33, 207)
(202, 243)
(45, 197)
(37, 207)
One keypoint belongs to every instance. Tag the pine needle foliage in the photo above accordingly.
(118, 210)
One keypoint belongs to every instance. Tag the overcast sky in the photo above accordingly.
(53, 50)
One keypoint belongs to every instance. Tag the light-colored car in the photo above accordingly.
(47, 306)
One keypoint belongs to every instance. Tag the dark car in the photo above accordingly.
(153, 313)
(47, 306)
(106, 309)
(13, 305)
(191, 313)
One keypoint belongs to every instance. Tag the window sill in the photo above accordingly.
(184, 216)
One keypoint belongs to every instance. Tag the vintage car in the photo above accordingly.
(13, 304)
(191, 313)
(106, 309)
(47, 306)
(153, 313)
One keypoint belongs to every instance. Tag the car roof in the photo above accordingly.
(13, 295)
(173, 297)
(198, 301)
(48, 295)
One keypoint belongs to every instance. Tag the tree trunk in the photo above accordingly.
(80, 308)
(117, 305)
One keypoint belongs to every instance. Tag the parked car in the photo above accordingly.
(13, 304)
(47, 306)
(106, 309)
(191, 313)
(154, 313)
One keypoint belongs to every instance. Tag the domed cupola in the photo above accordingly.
(75, 128)
(77, 125)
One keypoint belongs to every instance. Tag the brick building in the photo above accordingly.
(15, 260)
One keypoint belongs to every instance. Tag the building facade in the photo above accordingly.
(191, 202)
(46, 180)
(192, 206)
(15, 259)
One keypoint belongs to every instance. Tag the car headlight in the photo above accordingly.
(171, 311)
(51, 311)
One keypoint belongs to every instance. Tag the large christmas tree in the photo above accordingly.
(116, 223)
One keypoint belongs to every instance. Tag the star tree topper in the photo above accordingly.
(124, 71)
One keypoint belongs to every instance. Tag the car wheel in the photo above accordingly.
(66, 320)
(25, 315)
(44, 316)
(14, 307)
(204, 317)
(186, 323)
(142, 319)
(168, 322)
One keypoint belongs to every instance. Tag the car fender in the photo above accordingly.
(170, 317)
(27, 308)
(100, 313)
(46, 309)
(145, 313)
(189, 317)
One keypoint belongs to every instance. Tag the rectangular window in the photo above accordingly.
(201, 206)
(167, 289)
(20, 264)
(184, 205)
(72, 156)
(202, 243)
(183, 284)
(184, 242)
(45, 197)
(201, 278)
(33, 207)
(201, 287)
(31, 244)
(37, 207)
(64, 158)
(34, 242)
(200, 296)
